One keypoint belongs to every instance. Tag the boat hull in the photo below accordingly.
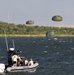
(23, 68)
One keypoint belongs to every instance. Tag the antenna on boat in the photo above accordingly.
(6, 41)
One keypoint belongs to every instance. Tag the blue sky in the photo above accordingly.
(40, 11)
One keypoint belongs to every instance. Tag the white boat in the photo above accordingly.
(31, 68)
(27, 68)
(23, 67)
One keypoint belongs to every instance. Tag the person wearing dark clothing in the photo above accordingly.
(11, 52)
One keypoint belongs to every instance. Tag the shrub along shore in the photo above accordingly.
(24, 30)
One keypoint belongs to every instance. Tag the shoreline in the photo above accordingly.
(23, 35)
(32, 35)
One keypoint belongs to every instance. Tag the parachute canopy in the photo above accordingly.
(30, 22)
(57, 18)
(50, 34)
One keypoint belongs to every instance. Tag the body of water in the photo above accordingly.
(55, 56)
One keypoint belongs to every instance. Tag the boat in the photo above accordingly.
(10, 68)
(23, 67)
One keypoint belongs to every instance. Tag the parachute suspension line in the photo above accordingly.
(6, 41)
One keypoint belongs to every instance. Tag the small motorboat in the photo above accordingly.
(11, 68)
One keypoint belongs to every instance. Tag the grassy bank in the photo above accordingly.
(30, 35)
(19, 35)
(64, 35)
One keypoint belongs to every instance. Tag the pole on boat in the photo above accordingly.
(13, 44)
(6, 41)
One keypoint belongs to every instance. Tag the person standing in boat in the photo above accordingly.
(14, 60)
(11, 52)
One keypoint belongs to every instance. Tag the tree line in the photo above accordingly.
(11, 28)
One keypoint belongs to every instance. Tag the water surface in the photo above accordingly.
(55, 56)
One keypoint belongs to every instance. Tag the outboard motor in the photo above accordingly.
(2, 68)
